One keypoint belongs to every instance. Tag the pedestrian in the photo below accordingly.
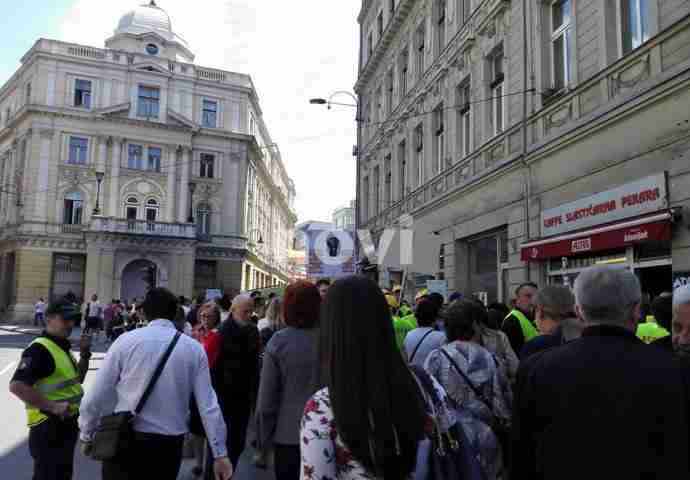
(108, 316)
(207, 334)
(401, 325)
(94, 315)
(519, 324)
(286, 379)
(323, 284)
(49, 381)
(496, 313)
(556, 320)
(224, 303)
(155, 451)
(272, 322)
(650, 328)
(475, 383)
(662, 308)
(39, 313)
(624, 402)
(236, 373)
(367, 418)
(424, 339)
(496, 342)
(681, 323)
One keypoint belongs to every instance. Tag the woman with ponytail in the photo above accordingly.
(367, 418)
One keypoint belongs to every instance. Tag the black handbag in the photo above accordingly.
(115, 433)
(446, 455)
(498, 425)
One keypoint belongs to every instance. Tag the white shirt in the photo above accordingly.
(95, 309)
(40, 307)
(263, 323)
(125, 373)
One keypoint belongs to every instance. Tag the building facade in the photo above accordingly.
(525, 140)
(344, 217)
(131, 161)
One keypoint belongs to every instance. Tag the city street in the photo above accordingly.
(15, 461)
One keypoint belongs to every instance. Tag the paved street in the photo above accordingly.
(15, 461)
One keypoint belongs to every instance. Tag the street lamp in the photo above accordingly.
(192, 188)
(99, 179)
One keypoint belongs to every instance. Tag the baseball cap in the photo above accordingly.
(67, 310)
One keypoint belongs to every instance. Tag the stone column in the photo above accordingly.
(184, 185)
(102, 153)
(43, 177)
(171, 197)
(114, 178)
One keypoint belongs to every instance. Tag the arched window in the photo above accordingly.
(132, 208)
(74, 208)
(203, 219)
(151, 210)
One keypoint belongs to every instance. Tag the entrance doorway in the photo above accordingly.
(656, 280)
(137, 278)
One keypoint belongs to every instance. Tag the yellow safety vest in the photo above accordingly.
(528, 330)
(62, 386)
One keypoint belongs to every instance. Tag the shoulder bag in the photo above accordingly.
(115, 432)
(414, 352)
(498, 425)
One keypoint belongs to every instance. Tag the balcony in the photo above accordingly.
(142, 227)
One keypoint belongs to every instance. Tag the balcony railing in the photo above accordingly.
(142, 227)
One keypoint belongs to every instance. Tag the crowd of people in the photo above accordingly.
(348, 381)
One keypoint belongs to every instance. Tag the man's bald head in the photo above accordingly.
(242, 306)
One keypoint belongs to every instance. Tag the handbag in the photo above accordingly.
(115, 432)
(446, 455)
(499, 426)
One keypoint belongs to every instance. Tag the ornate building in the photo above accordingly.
(128, 162)
(526, 140)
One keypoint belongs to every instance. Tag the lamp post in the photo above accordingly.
(192, 188)
(329, 103)
(99, 179)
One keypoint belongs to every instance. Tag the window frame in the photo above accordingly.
(390, 90)
(624, 20)
(464, 12)
(388, 180)
(439, 137)
(419, 157)
(80, 94)
(151, 205)
(441, 12)
(157, 166)
(146, 103)
(497, 90)
(206, 113)
(402, 160)
(404, 66)
(76, 208)
(565, 32)
(131, 203)
(203, 211)
(420, 49)
(205, 159)
(130, 148)
(464, 93)
(79, 151)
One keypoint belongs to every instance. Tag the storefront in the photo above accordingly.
(628, 227)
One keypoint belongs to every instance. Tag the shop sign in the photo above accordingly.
(630, 200)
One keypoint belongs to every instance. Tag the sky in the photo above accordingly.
(294, 51)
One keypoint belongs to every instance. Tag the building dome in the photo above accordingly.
(148, 18)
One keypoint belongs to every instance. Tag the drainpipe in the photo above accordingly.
(527, 173)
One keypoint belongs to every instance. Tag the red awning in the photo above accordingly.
(616, 235)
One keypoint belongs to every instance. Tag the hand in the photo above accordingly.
(85, 448)
(60, 409)
(222, 468)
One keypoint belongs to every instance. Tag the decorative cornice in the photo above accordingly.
(128, 240)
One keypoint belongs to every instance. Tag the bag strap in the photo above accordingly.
(156, 374)
(474, 388)
(419, 344)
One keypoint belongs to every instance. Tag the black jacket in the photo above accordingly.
(601, 407)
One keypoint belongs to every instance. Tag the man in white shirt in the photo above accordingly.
(39, 309)
(159, 429)
(94, 315)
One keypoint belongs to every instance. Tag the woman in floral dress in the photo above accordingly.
(368, 418)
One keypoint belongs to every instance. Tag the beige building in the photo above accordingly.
(526, 140)
(131, 160)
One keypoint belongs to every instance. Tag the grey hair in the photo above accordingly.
(558, 302)
(242, 297)
(681, 296)
(607, 295)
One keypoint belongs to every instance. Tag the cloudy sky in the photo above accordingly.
(292, 50)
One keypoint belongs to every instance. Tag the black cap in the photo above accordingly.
(67, 310)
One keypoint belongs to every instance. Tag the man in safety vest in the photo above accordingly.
(519, 324)
(48, 380)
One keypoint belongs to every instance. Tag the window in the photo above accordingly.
(440, 26)
(421, 33)
(151, 214)
(379, 26)
(210, 114)
(370, 45)
(561, 38)
(388, 181)
(149, 102)
(78, 151)
(377, 190)
(135, 157)
(391, 6)
(154, 159)
(132, 208)
(74, 209)
(402, 157)
(464, 123)
(389, 92)
(203, 219)
(419, 145)
(365, 198)
(442, 257)
(28, 92)
(252, 125)
(497, 93)
(464, 11)
(206, 165)
(634, 24)
(404, 65)
(82, 93)
(440, 137)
